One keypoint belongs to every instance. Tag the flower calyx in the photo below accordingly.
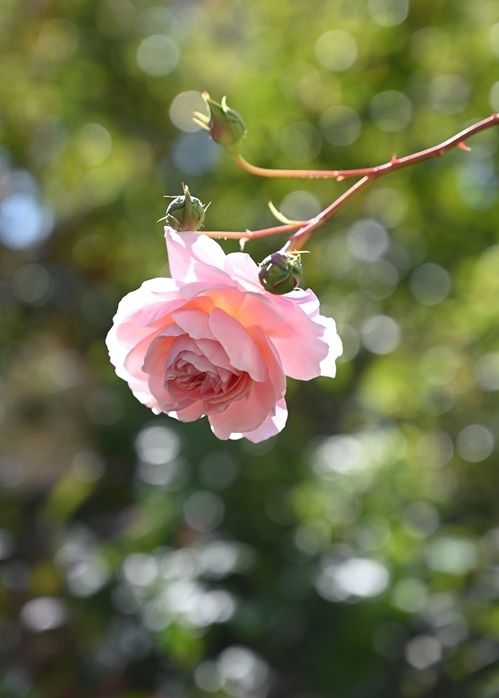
(281, 272)
(226, 126)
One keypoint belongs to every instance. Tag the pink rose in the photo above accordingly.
(211, 341)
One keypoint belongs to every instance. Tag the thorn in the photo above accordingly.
(464, 146)
(393, 159)
(340, 178)
(242, 243)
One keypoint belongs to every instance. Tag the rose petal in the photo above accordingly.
(334, 344)
(155, 359)
(276, 375)
(194, 257)
(215, 352)
(271, 426)
(302, 345)
(191, 413)
(244, 271)
(194, 323)
(244, 415)
(154, 299)
(242, 350)
(120, 339)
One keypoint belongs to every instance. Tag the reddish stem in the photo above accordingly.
(302, 230)
(298, 240)
(394, 163)
(299, 174)
(253, 234)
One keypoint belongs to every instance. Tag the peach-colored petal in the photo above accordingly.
(251, 309)
(155, 357)
(276, 375)
(241, 349)
(194, 323)
(191, 413)
(215, 352)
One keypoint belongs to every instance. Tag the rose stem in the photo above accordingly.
(253, 234)
(304, 229)
(395, 163)
(299, 239)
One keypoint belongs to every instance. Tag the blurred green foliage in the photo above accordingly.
(355, 555)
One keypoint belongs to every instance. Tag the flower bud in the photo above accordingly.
(281, 273)
(185, 212)
(225, 125)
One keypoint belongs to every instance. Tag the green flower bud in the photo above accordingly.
(281, 273)
(225, 125)
(185, 212)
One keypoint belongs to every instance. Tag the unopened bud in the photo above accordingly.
(185, 212)
(281, 273)
(225, 125)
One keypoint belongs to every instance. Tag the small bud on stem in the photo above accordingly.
(185, 212)
(225, 125)
(281, 273)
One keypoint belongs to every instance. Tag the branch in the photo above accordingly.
(368, 174)
(394, 163)
(298, 240)
(253, 234)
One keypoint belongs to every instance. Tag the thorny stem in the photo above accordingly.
(302, 230)
(253, 234)
(394, 163)
(299, 239)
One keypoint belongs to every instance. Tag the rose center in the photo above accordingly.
(195, 378)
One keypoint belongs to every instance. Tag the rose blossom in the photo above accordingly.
(211, 341)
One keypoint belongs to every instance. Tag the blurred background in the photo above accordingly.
(355, 555)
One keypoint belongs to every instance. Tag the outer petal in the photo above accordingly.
(333, 341)
(305, 299)
(271, 426)
(121, 339)
(244, 270)
(244, 415)
(301, 346)
(156, 297)
(195, 257)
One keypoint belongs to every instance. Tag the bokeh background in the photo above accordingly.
(355, 555)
